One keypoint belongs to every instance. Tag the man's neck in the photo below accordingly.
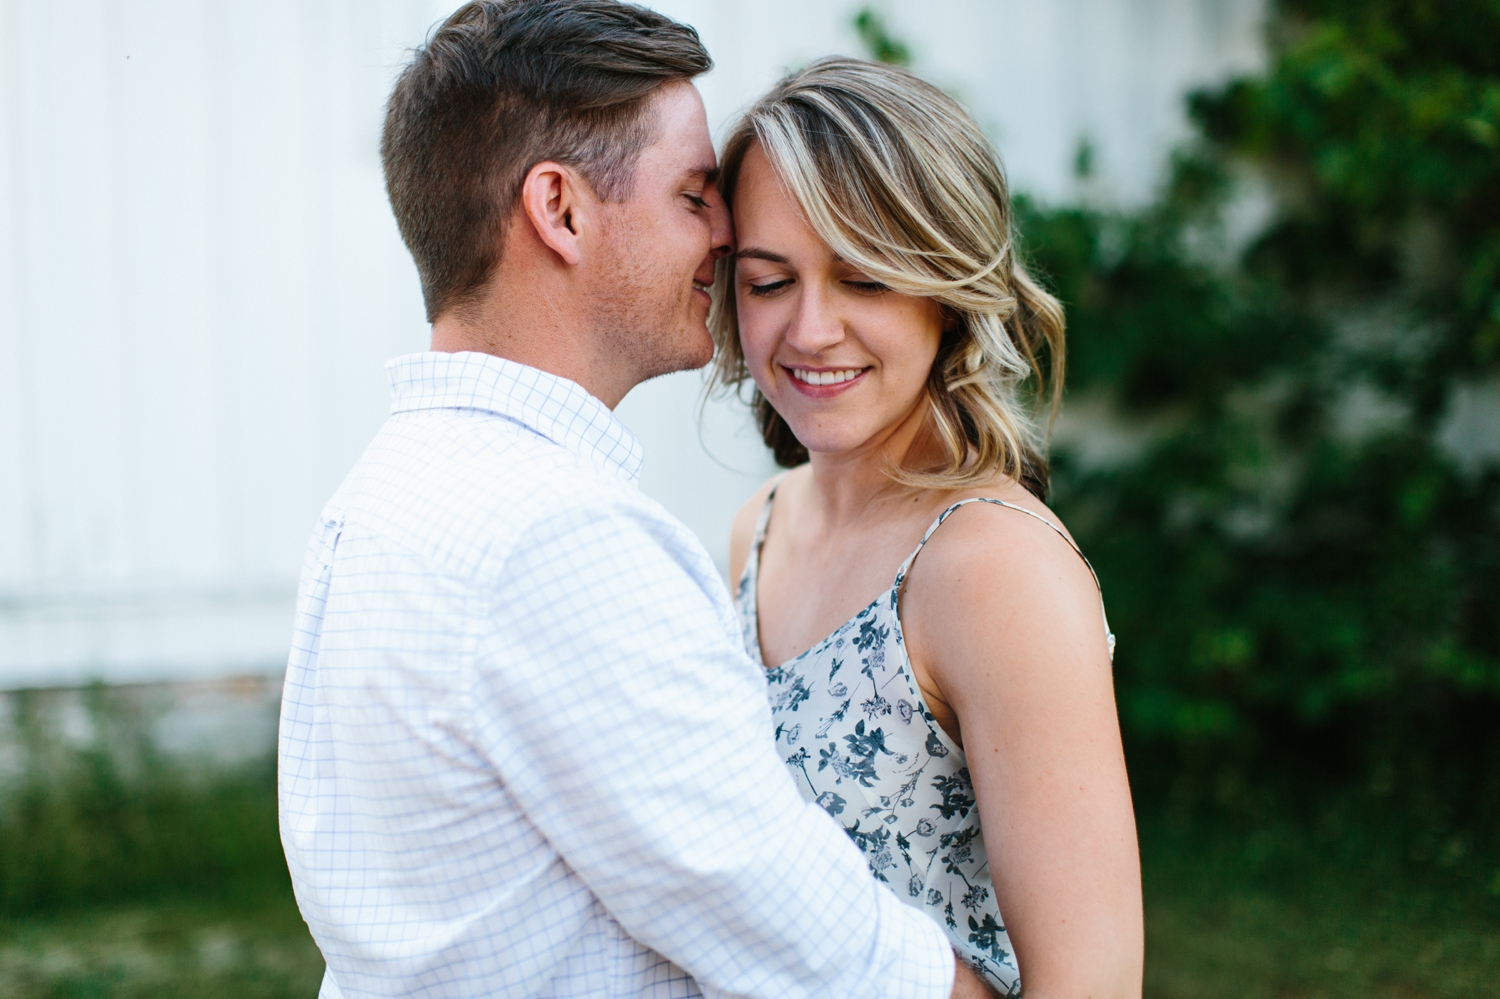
(545, 338)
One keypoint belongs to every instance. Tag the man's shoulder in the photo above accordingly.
(459, 488)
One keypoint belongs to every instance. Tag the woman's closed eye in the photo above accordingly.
(767, 289)
(867, 287)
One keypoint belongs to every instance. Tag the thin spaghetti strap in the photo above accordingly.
(751, 572)
(765, 517)
(1060, 533)
(906, 566)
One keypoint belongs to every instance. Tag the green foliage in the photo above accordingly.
(113, 820)
(878, 39)
(1386, 118)
(1306, 584)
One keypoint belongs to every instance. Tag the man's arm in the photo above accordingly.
(635, 734)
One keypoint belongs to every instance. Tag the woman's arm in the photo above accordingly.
(1003, 623)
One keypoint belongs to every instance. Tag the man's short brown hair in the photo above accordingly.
(501, 86)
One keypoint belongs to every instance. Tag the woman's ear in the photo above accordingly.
(555, 200)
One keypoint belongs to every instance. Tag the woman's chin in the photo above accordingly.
(827, 445)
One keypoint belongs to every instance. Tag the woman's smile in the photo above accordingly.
(824, 383)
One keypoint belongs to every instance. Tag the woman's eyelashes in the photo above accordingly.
(767, 289)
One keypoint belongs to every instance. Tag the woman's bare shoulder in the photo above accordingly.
(987, 546)
(1013, 576)
(742, 530)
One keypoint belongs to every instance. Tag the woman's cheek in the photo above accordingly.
(752, 343)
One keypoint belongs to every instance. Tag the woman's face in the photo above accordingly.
(843, 359)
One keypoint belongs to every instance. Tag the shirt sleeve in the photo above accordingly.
(635, 733)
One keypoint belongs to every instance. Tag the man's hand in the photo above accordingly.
(968, 985)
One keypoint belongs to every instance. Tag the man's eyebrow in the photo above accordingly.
(708, 172)
(756, 253)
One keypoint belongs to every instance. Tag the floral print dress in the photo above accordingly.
(858, 737)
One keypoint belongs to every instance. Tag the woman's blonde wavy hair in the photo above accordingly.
(900, 182)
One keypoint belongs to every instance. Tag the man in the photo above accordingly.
(522, 752)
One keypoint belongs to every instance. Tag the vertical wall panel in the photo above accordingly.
(16, 559)
(64, 218)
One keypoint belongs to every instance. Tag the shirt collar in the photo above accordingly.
(560, 410)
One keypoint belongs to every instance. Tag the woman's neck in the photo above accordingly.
(849, 486)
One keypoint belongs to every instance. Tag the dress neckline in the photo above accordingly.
(750, 578)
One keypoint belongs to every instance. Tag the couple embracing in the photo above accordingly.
(530, 744)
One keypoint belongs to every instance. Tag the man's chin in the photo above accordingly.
(704, 353)
(698, 353)
(689, 358)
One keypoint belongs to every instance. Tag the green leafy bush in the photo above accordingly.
(1304, 578)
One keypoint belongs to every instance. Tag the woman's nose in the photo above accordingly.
(816, 325)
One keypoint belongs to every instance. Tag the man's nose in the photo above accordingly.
(721, 229)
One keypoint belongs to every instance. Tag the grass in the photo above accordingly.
(1275, 917)
(126, 875)
(1225, 918)
(163, 949)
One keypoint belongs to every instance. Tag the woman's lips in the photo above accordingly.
(824, 383)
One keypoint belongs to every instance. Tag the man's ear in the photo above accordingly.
(556, 200)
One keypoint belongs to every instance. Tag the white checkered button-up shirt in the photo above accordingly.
(522, 750)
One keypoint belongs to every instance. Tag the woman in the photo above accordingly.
(939, 662)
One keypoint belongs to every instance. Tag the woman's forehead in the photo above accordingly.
(767, 220)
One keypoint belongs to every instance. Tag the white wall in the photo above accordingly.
(200, 278)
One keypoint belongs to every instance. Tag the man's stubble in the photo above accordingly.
(645, 313)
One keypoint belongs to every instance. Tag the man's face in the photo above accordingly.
(661, 242)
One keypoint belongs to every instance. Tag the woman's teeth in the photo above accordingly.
(826, 377)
